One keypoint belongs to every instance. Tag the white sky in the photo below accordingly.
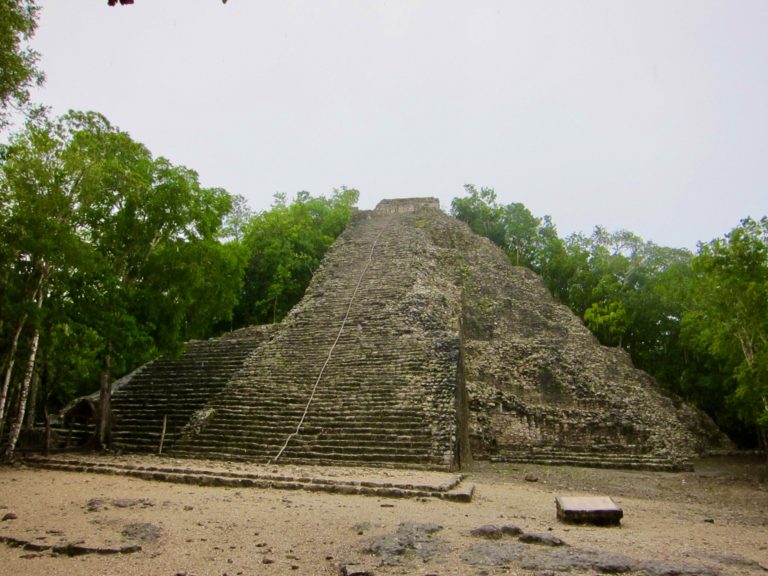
(647, 115)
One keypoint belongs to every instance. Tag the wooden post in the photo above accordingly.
(162, 435)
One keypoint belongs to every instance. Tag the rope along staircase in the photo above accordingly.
(330, 352)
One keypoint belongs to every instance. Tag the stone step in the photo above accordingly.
(278, 439)
(278, 436)
(168, 396)
(305, 456)
(362, 433)
(346, 404)
(377, 437)
(316, 445)
(361, 429)
(155, 379)
(599, 460)
(343, 397)
(375, 415)
(452, 490)
(170, 375)
(389, 438)
(201, 361)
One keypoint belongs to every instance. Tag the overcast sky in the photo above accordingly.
(649, 116)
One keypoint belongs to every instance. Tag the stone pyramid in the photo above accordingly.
(416, 344)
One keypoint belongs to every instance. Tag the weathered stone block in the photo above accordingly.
(599, 510)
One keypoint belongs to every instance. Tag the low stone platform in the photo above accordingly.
(382, 482)
(599, 510)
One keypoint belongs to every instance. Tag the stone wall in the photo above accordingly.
(402, 205)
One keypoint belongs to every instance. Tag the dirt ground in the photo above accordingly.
(710, 521)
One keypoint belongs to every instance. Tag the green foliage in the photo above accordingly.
(628, 292)
(285, 245)
(70, 360)
(607, 320)
(126, 247)
(528, 241)
(480, 210)
(727, 320)
(18, 62)
(133, 256)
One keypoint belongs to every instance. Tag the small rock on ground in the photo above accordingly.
(543, 539)
(142, 531)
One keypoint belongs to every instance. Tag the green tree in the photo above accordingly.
(727, 319)
(284, 247)
(236, 221)
(481, 212)
(39, 245)
(631, 293)
(123, 248)
(18, 62)
(526, 239)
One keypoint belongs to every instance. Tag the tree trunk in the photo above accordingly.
(9, 372)
(762, 431)
(105, 400)
(762, 437)
(13, 437)
(47, 442)
(32, 404)
(37, 297)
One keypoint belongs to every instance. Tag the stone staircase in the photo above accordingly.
(387, 389)
(172, 389)
(611, 457)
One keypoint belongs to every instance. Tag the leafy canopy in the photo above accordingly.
(727, 318)
(284, 247)
(127, 246)
(18, 62)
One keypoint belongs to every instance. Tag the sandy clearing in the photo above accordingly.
(716, 517)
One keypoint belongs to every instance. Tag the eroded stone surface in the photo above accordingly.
(409, 541)
(541, 539)
(568, 559)
(494, 532)
(142, 531)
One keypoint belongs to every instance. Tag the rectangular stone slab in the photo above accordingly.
(600, 510)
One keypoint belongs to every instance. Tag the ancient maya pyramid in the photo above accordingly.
(416, 344)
